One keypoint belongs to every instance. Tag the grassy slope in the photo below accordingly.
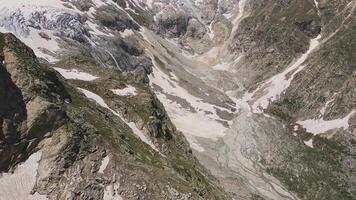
(324, 174)
(180, 167)
(271, 36)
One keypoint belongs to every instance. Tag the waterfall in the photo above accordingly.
(112, 56)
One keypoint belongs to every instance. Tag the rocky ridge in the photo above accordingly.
(75, 136)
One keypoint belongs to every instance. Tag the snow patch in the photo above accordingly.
(317, 126)
(309, 143)
(111, 192)
(75, 74)
(104, 164)
(18, 185)
(127, 91)
(222, 67)
(228, 15)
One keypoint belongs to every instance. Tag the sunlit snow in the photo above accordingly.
(127, 91)
(75, 74)
(317, 126)
(111, 192)
(309, 143)
(104, 164)
(18, 185)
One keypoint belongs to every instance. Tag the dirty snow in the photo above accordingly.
(309, 143)
(222, 66)
(18, 185)
(132, 125)
(199, 123)
(111, 192)
(104, 164)
(75, 74)
(189, 113)
(317, 126)
(127, 91)
(239, 16)
(225, 66)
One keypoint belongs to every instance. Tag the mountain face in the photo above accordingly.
(177, 99)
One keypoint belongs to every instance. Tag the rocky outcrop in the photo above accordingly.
(30, 100)
(172, 22)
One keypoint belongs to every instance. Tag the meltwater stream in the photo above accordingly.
(234, 153)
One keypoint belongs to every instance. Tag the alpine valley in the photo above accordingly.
(177, 99)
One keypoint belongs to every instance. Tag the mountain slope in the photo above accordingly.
(262, 92)
(75, 137)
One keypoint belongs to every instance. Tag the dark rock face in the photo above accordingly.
(195, 29)
(13, 108)
(115, 19)
(309, 28)
(171, 22)
(28, 108)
